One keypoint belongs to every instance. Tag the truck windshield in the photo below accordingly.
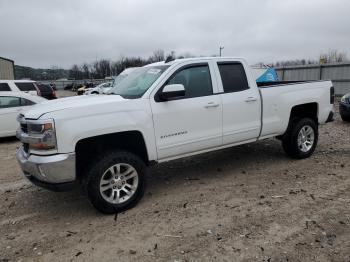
(138, 81)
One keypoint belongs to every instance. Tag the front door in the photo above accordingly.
(191, 123)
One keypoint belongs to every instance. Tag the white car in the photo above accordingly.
(99, 89)
(11, 103)
(105, 87)
(27, 86)
(161, 112)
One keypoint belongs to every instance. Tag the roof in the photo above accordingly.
(17, 81)
(194, 59)
(3, 58)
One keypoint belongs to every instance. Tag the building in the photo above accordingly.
(7, 69)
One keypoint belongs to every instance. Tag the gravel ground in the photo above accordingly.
(248, 203)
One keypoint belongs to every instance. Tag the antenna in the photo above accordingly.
(221, 48)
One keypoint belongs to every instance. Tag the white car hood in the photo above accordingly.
(38, 110)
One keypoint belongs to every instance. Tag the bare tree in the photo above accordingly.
(158, 55)
(333, 56)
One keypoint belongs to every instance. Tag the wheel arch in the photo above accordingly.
(88, 149)
(307, 110)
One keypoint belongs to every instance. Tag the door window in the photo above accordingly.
(26, 102)
(9, 101)
(4, 87)
(233, 77)
(25, 86)
(195, 79)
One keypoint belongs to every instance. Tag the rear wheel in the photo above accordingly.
(116, 182)
(301, 137)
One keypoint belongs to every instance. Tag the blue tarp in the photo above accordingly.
(269, 75)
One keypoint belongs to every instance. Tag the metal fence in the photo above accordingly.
(61, 84)
(339, 74)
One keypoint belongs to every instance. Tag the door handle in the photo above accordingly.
(251, 99)
(211, 104)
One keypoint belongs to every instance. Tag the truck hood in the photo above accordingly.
(74, 102)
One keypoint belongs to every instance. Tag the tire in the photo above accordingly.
(345, 119)
(94, 93)
(301, 137)
(109, 195)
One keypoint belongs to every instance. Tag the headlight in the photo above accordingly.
(345, 99)
(37, 135)
(43, 133)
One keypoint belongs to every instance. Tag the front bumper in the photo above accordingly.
(52, 172)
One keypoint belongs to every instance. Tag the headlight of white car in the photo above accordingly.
(39, 135)
(45, 132)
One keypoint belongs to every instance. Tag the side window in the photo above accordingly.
(26, 102)
(4, 87)
(9, 101)
(25, 86)
(233, 77)
(196, 80)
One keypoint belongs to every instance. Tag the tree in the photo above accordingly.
(158, 55)
(75, 72)
(333, 56)
(85, 68)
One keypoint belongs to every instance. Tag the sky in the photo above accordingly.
(46, 33)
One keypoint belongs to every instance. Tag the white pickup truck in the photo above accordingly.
(164, 111)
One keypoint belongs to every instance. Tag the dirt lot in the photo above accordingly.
(248, 203)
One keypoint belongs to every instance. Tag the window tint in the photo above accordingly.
(9, 101)
(26, 102)
(44, 88)
(196, 80)
(233, 77)
(26, 86)
(4, 87)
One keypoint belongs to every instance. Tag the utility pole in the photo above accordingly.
(221, 48)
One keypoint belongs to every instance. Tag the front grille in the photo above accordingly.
(24, 127)
(26, 147)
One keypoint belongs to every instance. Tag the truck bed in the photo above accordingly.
(281, 96)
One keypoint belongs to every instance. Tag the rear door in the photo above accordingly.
(9, 109)
(191, 123)
(241, 103)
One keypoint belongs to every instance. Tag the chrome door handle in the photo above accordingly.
(251, 99)
(211, 104)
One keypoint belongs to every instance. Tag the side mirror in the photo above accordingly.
(172, 91)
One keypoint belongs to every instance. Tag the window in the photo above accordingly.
(9, 101)
(135, 84)
(4, 87)
(233, 77)
(45, 88)
(26, 102)
(25, 86)
(195, 79)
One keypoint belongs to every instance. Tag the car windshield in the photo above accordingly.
(138, 81)
(106, 85)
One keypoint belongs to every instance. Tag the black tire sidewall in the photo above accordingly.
(290, 140)
(98, 169)
(345, 118)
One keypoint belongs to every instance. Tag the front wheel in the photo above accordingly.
(116, 182)
(301, 137)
